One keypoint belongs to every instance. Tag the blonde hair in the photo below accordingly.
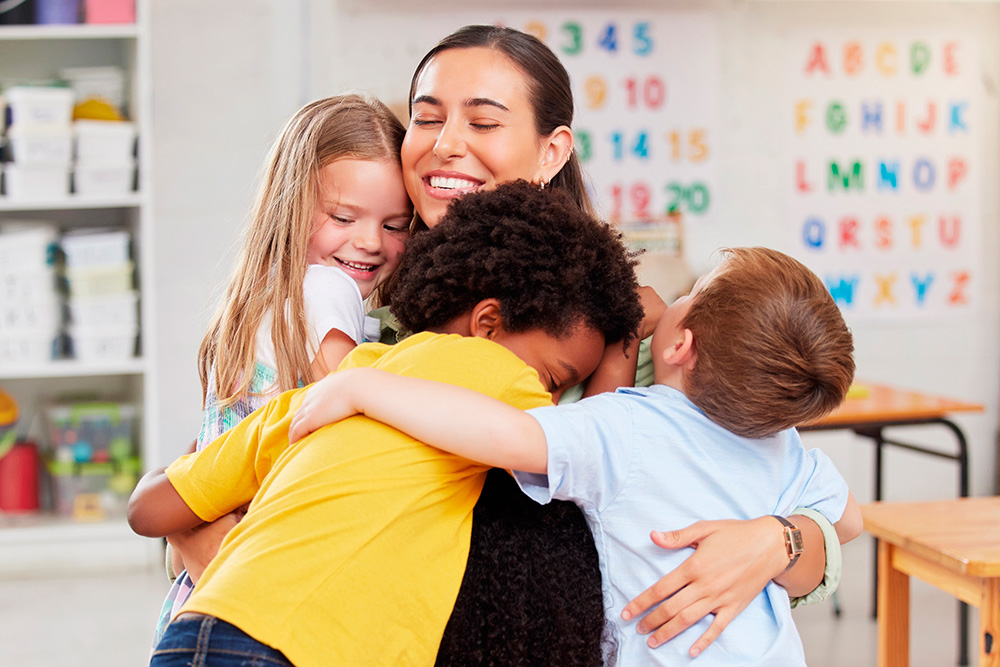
(271, 266)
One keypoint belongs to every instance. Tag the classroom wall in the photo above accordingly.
(227, 73)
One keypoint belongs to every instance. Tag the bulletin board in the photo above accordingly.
(645, 83)
(884, 145)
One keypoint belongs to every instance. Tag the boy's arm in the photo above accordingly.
(618, 365)
(452, 418)
(155, 509)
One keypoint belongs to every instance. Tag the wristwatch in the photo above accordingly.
(793, 540)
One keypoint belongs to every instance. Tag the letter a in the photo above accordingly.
(817, 60)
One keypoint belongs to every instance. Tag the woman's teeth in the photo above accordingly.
(451, 183)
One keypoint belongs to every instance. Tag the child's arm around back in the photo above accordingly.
(452, 418)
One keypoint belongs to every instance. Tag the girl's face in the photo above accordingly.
(472, 126)
(361, 220)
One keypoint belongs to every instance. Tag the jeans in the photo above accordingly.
(205, 641)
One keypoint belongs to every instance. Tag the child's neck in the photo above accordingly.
(671, 376)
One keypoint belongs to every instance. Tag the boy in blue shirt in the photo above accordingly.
(756, 348)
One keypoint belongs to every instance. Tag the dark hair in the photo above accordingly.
(773, 349)
(531, 593)
(549, 89)
(549, 264)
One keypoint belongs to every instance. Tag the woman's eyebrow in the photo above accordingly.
(472, 102)
(484, 102)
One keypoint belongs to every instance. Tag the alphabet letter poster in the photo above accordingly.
(885, 171)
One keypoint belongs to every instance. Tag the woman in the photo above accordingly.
(490, 105)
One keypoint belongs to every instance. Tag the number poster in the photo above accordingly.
(645, 86)
(885, 172)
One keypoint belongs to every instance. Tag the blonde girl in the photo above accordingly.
(327, 227)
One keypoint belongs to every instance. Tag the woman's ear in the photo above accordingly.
(556, 151)
(485, 320)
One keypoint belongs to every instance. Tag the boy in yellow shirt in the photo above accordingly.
(517, 293)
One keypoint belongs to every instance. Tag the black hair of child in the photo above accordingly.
(549, 264)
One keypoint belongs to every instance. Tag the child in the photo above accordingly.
(757, 347)
(328, 225)
(361, 533)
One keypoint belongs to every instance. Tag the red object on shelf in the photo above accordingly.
(109, 11)
(19, 478)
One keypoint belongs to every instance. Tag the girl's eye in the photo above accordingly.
(485, 126)
(422, 122)
(397, 228)
(342, 220)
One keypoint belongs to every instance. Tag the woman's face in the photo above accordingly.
(472, 127)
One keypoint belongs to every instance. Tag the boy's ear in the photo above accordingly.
(557, 148)
(681, 351)
(485, 320)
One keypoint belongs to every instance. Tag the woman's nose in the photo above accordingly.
(450, 142)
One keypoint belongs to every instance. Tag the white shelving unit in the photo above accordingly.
(45, 543)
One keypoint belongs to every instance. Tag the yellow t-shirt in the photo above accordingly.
(355, 544)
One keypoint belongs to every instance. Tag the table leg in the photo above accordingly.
(989, 625)
(893, 611)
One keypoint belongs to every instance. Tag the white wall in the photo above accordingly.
(226, 74)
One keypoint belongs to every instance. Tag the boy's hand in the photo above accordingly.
(325, 402)
(199, 545)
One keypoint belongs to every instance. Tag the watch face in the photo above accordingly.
(796, 541)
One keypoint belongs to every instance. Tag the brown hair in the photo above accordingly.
(773, 350)
(272, 263)
(549, 89)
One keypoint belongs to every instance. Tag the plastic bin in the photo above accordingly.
(93, 248)
(101, 280)
(28, 285)
(39, 104)
(103, 83)
(94, 432)
(115, 311)
(105, 141)
(93, 491)
(28, 348)
(102, 343)
(110, 11)
(36, 143)
(103, 179)
(43, 315)
(28, 249)
(36, 181)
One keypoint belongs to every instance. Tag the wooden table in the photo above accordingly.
(872, 408)
(951, 544)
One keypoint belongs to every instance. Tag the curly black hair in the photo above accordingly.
(531, 594)
(550, 265)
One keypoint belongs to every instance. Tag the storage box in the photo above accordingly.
(102, 280)
(109, 11)
(49, 143)
(28, 348)
(103, 179)
(43, 315)
(37, 182)
(97, 247)
(28, 249)
(105, 141)
(39, 104)
(111, 312)
(28, 285)
(102, 83)
(95, 432)
(93, 491)
(102, 344)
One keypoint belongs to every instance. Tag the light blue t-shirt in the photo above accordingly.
(644, 458)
